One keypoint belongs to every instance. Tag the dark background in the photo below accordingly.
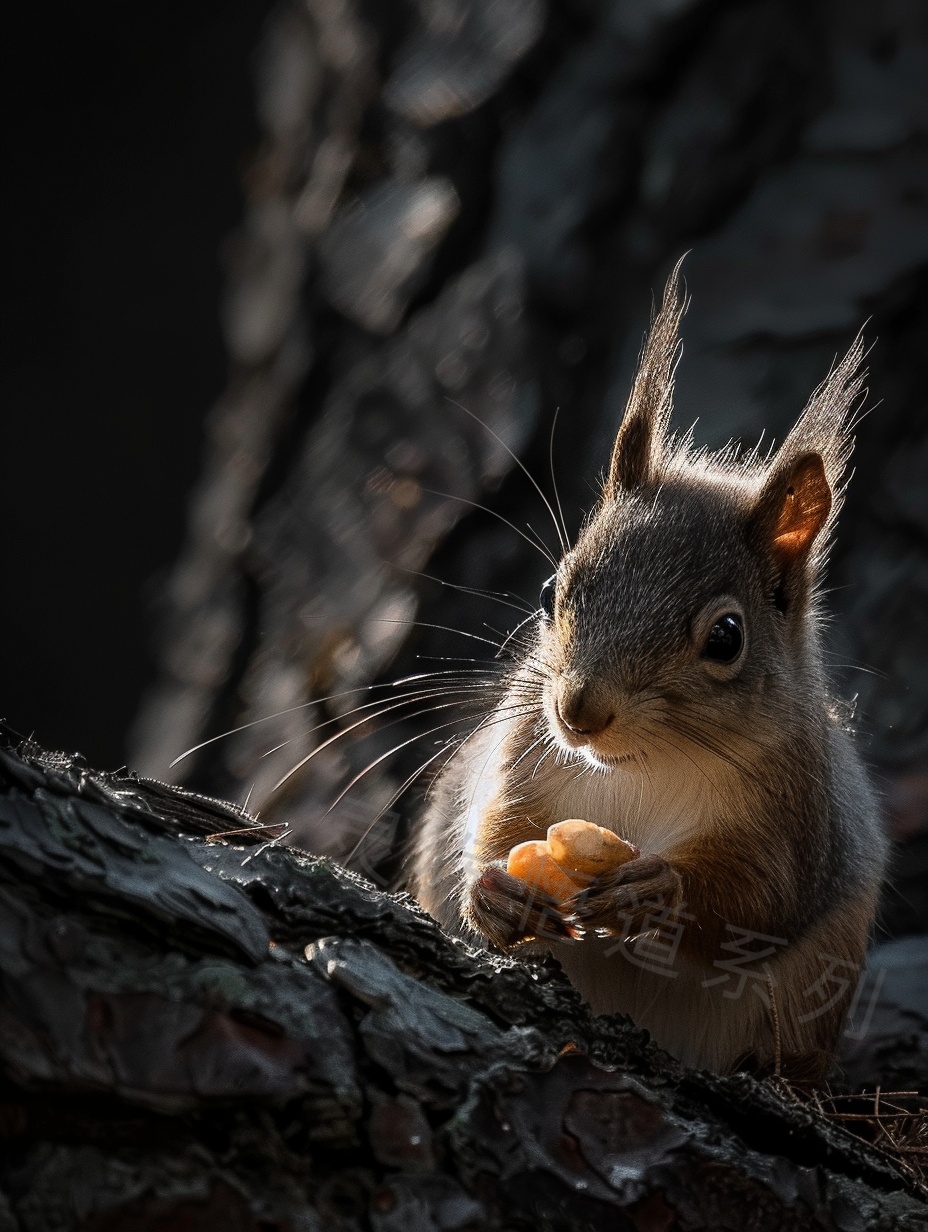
(126, 130)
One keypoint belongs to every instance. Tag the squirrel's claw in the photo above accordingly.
(619, 903)
(507, 910)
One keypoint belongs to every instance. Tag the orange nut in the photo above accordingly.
(532, 862)
(582, 848)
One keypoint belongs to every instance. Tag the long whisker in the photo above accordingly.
(497, 717)
(369, 718)
(500, 596)
(405, 718)
(523, 755)
(492, 512)
(552, 748)
(488, 673)
(401, 700)
(424, 624)
(266, 718)
(856, 667)
(531, 616)
(278, 714)
(566, 538)
(389, 804)
(487, 663)
(528, 676)
(412, 699)
(524, 666)
(538, 538)
(493, 629)
(537, 667)
(410, 779)
(407, 782)
(521, 465)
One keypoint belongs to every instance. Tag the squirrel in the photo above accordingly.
(674, 692)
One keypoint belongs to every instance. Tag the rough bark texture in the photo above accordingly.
(201, 1032)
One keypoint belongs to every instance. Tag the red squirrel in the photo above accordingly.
(674, 692)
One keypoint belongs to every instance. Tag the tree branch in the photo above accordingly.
(198, 1031)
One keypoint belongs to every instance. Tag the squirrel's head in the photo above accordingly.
(687, 606)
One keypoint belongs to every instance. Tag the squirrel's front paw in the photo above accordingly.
(619, 902)
(507, 910)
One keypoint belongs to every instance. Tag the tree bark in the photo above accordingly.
(202, 1028)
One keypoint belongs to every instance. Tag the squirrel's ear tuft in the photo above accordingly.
(639, 446)
(826, 425)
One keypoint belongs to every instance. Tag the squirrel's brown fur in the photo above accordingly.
(761, 854)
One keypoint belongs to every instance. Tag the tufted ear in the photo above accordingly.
(792, 511)
(793, 515)
(639, 446)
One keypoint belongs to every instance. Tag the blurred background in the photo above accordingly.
(289, 283)
(128, 132)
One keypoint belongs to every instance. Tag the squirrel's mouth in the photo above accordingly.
(610, 761)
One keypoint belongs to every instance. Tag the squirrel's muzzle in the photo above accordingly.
(582, 707)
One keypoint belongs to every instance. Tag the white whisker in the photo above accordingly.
(497, 717)
(370, 718)
(492, 512)
(521, 465)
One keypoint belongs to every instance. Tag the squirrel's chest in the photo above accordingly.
(656, 809)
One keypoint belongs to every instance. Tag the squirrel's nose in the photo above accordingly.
(580, 710)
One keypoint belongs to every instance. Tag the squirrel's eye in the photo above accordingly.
(546, 598)
(726, 639)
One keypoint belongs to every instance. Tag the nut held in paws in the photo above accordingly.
(581, 847)
(533, 863)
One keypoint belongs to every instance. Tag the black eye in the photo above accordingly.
(726, 639)
(546, 598)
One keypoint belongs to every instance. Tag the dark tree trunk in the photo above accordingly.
(204, 1032)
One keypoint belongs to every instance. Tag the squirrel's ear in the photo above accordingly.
(638, 450)
(797, 506)
(792, 511)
